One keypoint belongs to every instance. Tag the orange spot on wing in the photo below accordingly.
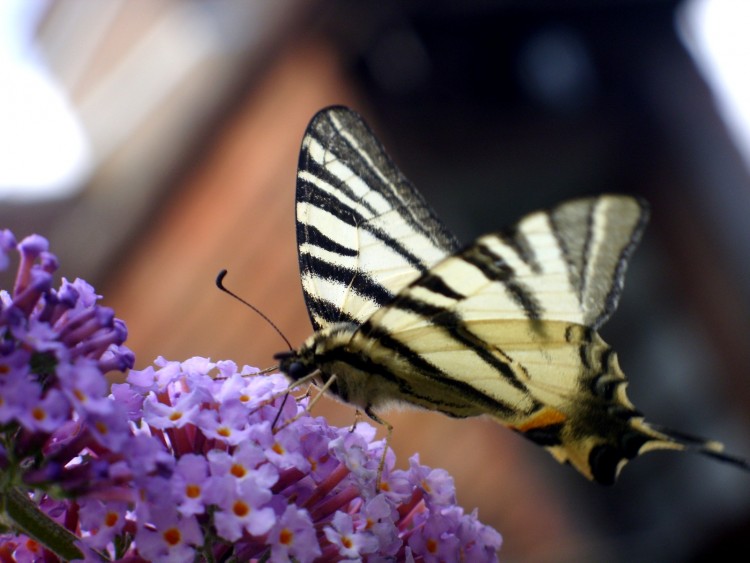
(546, 417)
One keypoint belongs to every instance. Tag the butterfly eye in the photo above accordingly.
(287, 361)
(298, 370)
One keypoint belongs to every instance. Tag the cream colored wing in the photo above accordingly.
(566, 264)
(363, 231)
(505, 328)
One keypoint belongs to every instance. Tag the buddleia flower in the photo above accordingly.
(191, 460)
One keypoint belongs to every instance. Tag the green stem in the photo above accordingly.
(26, 517)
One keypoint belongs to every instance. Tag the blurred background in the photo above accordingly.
(156, 142)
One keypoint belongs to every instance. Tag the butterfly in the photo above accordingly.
(505, 327)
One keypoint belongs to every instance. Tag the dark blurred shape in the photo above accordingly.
(556, 70)
(398, 62)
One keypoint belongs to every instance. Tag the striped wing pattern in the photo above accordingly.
(505, 327)
(566, 265)
(363, 230)
(495, 315)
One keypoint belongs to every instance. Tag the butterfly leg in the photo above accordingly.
(357, 418)
(281, 408)
(389, 429)
(310, 405)
(286, 395)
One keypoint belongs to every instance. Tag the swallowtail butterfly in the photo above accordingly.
(504, 327)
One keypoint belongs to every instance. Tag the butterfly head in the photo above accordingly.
(294, 365)
(315, 351)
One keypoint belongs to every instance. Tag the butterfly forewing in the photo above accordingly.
(363, 231)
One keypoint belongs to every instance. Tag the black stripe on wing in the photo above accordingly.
(347, 141)
(496, 269)
(597, 236)
(618, 277)
(344, 134)
(316, 197)
(352, 280)
(455, 327)
(320, 308)
(470, 396)
(437, 285)
(516, 240)
(316, 237)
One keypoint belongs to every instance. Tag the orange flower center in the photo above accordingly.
(192, 491)
(240, 509)
(111, 519)
(432, 546)
(172, 536)
(238, 470)
(286, 536)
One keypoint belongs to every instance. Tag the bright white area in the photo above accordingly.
(717, 33)
(44, 153)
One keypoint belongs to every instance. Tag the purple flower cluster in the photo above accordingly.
(274, 480)
(193, 460)
(55, 346)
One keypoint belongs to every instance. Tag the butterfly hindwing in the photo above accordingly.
(596, 238)
(505, 328)
(542, 269)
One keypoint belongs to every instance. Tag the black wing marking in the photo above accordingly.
(363, 231)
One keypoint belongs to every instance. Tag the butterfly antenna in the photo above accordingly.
(220, 285)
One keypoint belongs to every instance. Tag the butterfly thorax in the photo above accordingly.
(340, 350)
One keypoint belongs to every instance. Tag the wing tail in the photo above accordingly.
(606, 461)
(689, 442)
(602, 460)
(593, 426)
